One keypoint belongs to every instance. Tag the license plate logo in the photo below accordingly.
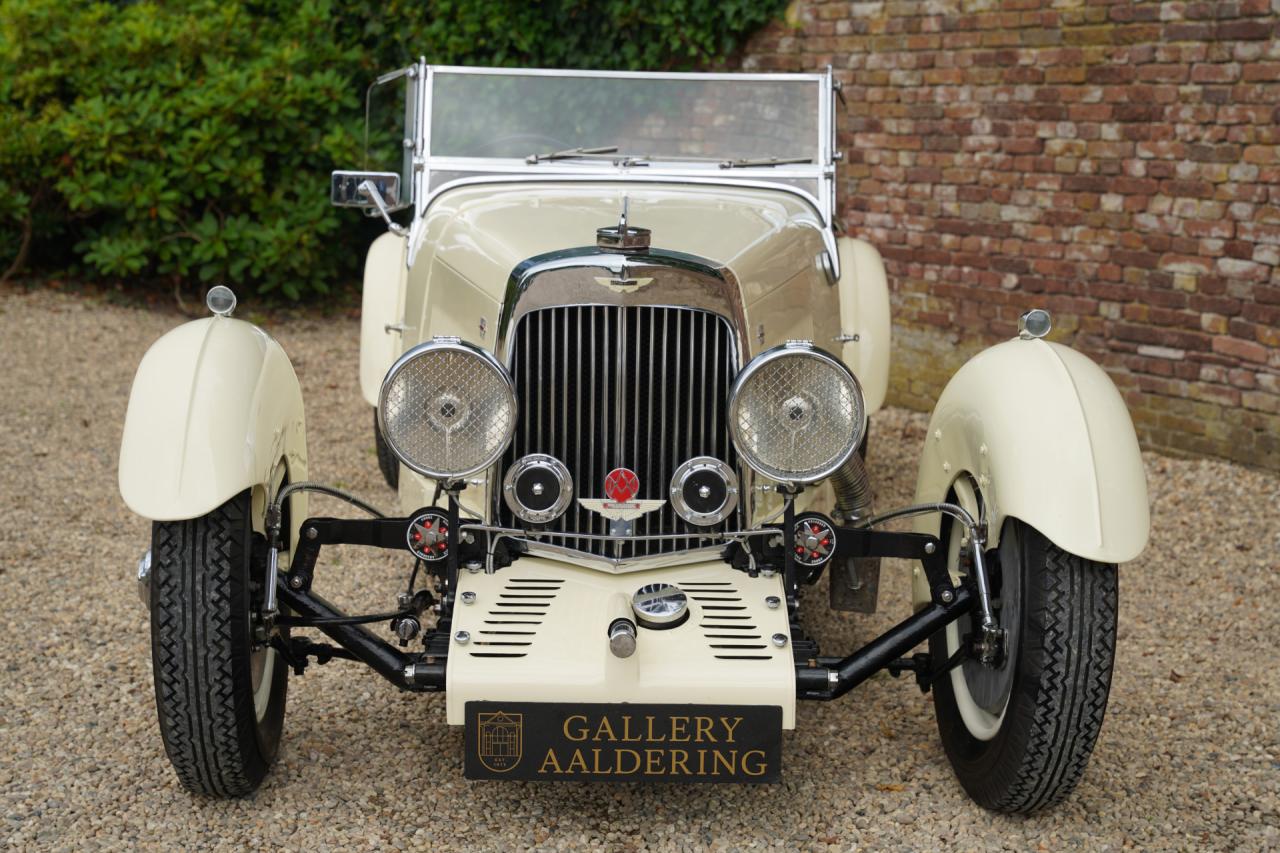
(657, 743)
(499, 740)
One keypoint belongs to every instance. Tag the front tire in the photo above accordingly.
(1019, 736)
(220, 700)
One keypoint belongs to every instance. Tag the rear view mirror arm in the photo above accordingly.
(367, 188)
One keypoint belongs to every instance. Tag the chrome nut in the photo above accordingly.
(407, 629)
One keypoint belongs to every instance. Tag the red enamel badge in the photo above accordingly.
(621, 485)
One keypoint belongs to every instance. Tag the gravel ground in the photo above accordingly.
(1189, 756)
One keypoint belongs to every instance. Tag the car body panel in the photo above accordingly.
(382, 311)
(214, 409)
(1046, 438)
(563, 646)
(481, 233)
(864, 317)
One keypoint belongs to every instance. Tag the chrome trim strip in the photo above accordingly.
(633, 564)
(679, 281)
(535, 548)
(680, 168)
(652, 75)
(532, 535)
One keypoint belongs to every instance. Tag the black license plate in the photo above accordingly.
(546, 741)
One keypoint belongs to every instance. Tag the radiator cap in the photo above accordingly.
(623, 237)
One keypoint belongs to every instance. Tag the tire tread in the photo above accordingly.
(196, 587)
(1064, 665)
(1077, 610)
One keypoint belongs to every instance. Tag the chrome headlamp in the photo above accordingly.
(447, 409)
(796, 413)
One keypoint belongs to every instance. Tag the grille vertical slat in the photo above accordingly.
(577, 452)
(675, 445)
(648, 522)
(564, 396)
(715, 392)
(662, 421)
(636, 381)
(542, 337)
(528, 365)
(591, 422)
(601, 463)
(639, 387)
(702, 410)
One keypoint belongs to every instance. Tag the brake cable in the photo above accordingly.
(992, 635)
(274, 520)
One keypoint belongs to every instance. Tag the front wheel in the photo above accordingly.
(220, 696)
(1019, 736)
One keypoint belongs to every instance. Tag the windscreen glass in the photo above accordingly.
(688, 119)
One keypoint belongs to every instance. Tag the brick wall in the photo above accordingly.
(1114, 162)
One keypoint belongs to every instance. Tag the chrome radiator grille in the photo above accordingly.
(639, 387)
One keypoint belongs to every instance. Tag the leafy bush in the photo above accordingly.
(190, 142)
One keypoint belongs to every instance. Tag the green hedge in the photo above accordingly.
(177, 144)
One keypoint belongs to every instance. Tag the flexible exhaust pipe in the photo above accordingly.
(856, 584)
(852, 486)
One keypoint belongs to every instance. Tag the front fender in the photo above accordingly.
(215, 407)
(382, 308)
(864, 316)
(1047, 439)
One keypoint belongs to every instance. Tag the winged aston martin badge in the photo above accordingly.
(621, 486)
(623, 283)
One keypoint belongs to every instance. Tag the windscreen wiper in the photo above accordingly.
(571, 154)
(610, 152)
(763, 161)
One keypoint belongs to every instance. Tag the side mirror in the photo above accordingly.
(349, 190)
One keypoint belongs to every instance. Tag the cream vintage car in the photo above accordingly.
(621, 370)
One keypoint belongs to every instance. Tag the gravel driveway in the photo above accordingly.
(1189, 756)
